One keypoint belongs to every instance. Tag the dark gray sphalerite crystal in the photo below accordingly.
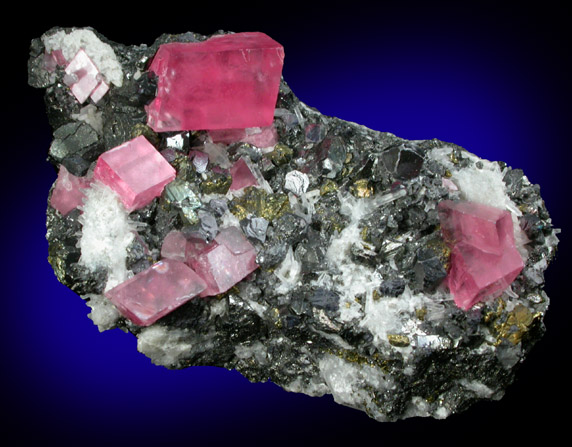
(349, 297)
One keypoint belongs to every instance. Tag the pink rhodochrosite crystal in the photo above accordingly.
(68, 192)
(136, 171)
(84, 79)
(174, 246)
(242, 175)
(155, 292)
(225, 261)
(226, 82)
(484, 257)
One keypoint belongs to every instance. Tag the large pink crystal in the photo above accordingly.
(155, 292)
(226, 82)
(226, 261)
(136, 171)
(68, 191)
(484, 257)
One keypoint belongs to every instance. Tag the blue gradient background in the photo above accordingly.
(495, 80)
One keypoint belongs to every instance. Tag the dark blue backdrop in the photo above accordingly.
(493, 80)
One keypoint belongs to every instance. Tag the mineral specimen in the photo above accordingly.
(224, 222)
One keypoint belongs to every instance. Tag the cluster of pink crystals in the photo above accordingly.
(136, 171)
(484, 257)
(189, 268)
(84, 79)
(222, 263)
(68, 191)
(225, 261)
(226, 82)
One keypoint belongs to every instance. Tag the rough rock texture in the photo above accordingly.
(349, 297)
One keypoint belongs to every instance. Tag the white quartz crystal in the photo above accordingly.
(353, 279)
(288, 272)
(103, 313)
(106, 234)
(348, 382)
(164, 346)
(90, 115)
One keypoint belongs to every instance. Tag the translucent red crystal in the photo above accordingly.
(484, 257)
(156, 291)
(136, 171)
(226, 82)
(68, 191)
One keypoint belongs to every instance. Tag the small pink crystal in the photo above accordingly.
(195, 247)
(226, 82)
(233, 239)
(484, 257)
(84, 79)
(68, 192)
(136, 171)
(99, 91)
(242, 175)
(53, 59)
(155, 292)
(261, 136)
(449, 184)
(174, 246)
(222, 267)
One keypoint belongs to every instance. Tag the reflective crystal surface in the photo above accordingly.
(135, 171)
(484, 257)
(229, 81)
(155, 292)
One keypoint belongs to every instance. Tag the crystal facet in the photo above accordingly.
(174, 246)
(225, 262)
(67, 194)
(242, 175)
(84, 79)
(484, 257)
(155, 292)
(136, 171)
(226, 82)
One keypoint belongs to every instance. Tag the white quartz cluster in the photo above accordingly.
(106, 233)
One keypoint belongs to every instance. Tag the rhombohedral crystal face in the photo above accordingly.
(202, 207)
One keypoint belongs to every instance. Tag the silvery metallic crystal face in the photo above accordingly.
(305, 249)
